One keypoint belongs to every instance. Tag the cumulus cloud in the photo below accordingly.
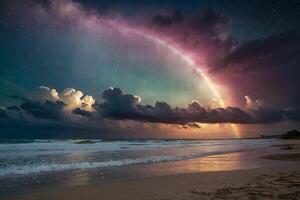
(46, 93)
(70, 97)
(50, 110)
(48, 104)
(204, 35)
(117, 104)
(251, 66)
(125, 106)
(44, 110)
(109, 116)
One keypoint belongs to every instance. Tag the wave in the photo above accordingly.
(38, 157)
(30, 169)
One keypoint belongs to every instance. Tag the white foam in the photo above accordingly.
(29, 169)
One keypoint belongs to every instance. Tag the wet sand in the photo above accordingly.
(288, 157)
(278, 179)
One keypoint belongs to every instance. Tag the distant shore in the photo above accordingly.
(278, 181)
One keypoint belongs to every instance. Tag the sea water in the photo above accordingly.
(25, 157)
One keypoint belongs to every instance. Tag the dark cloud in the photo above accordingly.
(254, 66)
(117, 104)
(205, 34)
(13, 108)
(44, 119)
(292, 114)
(46, 116)
(120, 106)
(125, 106)
(87, 114)
(44, 110)
(33, 113)
(278, 50)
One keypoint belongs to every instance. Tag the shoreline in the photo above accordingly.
(199, 175)
(210, 185)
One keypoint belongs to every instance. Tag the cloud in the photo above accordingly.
(90, 115)
(251, 67)
(253, 104)
(52, 108)
(119, 110)
(277, 50)
(117, 104)
(204, 35)
(70, 97)
(120, 106)
(126, 107)
(46, 93)
(44, 110)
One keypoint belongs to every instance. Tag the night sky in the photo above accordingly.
(149, 69)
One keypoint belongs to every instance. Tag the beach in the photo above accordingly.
(149, 100)
(262, 183)
(265, 173)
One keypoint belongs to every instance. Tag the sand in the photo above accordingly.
(263, 183)
(273, 182)
(287, 157)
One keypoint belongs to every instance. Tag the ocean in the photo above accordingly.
(27, 157)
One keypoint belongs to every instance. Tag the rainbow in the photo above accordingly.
(187, 59)
(192, 64)
(70, 10)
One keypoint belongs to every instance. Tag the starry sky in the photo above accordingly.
(148, 69)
